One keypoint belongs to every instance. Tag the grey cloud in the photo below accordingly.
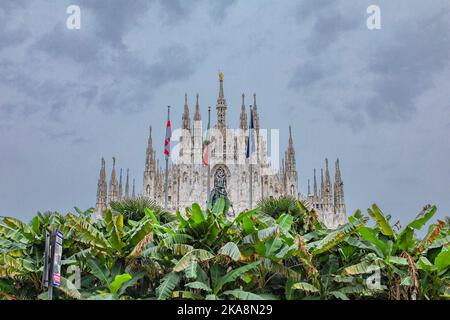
(175, 10)
(114, 18)
(129, 94)
(405, 69)
(11, 36)
(56, 135)
(61, 42)
(69, 135)
(10, 5)
(307, 74)
(328, 22)
(79, 141)
(396, 70)
(219, 9)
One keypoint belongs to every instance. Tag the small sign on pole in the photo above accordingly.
(57, 253)
(52, 261)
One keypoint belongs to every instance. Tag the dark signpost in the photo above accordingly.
(52, 261)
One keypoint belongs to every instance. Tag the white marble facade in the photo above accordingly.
(188, 176)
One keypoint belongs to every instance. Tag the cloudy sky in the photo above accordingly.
(379, 100)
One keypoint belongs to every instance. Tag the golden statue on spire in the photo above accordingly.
(220, 75)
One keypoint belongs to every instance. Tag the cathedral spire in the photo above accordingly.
(120, 186)
(150, 156)
(327, 196)
(197, 116)
(221, 105)
(337, 176)
(102, 191)
(327, 176)
(197, 139)
(291, 163)
(315, 184)
(221, 94)
(339, 202)
(134, 190)
(322, 185)
(243, 116)
(127, 185)
(185, 119)
(291, 142)
(113, 192)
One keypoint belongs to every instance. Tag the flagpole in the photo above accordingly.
(167, 168)
(250, 159)
(209, 160)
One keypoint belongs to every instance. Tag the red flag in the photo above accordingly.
(167, 140)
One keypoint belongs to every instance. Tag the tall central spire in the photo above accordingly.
(221, 105)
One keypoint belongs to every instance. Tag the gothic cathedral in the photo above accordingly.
(228, 163)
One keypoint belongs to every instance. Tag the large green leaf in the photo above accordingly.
(233, 275)
(230, 250)
(442, 260)
(381, 221)
(361, 268)
(197, 216)
(423, 217)
(304, 286)
(272, 246)
(405, 239)
(149, 213)
(168, 284)
(88, 233)
(188, 258)
(119, 280)
(192, 271)
(130, 283)
(69, 289)
(397, 260)
(14, 266)
(285, 222)
(137, 233)
(116, 232)
(334, 238)
(268, 232)
(198, 285)
(99, 271)
(370, 235)
(248, 226)
(424, 264)
(15, 226)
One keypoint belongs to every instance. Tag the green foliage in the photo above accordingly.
(279, 250)
(134, 209)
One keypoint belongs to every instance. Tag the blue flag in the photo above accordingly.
(250, 138)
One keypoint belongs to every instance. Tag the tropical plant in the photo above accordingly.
(279, 250)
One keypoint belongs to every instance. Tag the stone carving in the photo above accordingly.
(220, 185)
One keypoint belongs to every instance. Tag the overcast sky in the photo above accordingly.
(379, 100)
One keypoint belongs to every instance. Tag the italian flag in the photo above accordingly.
(206, 147)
